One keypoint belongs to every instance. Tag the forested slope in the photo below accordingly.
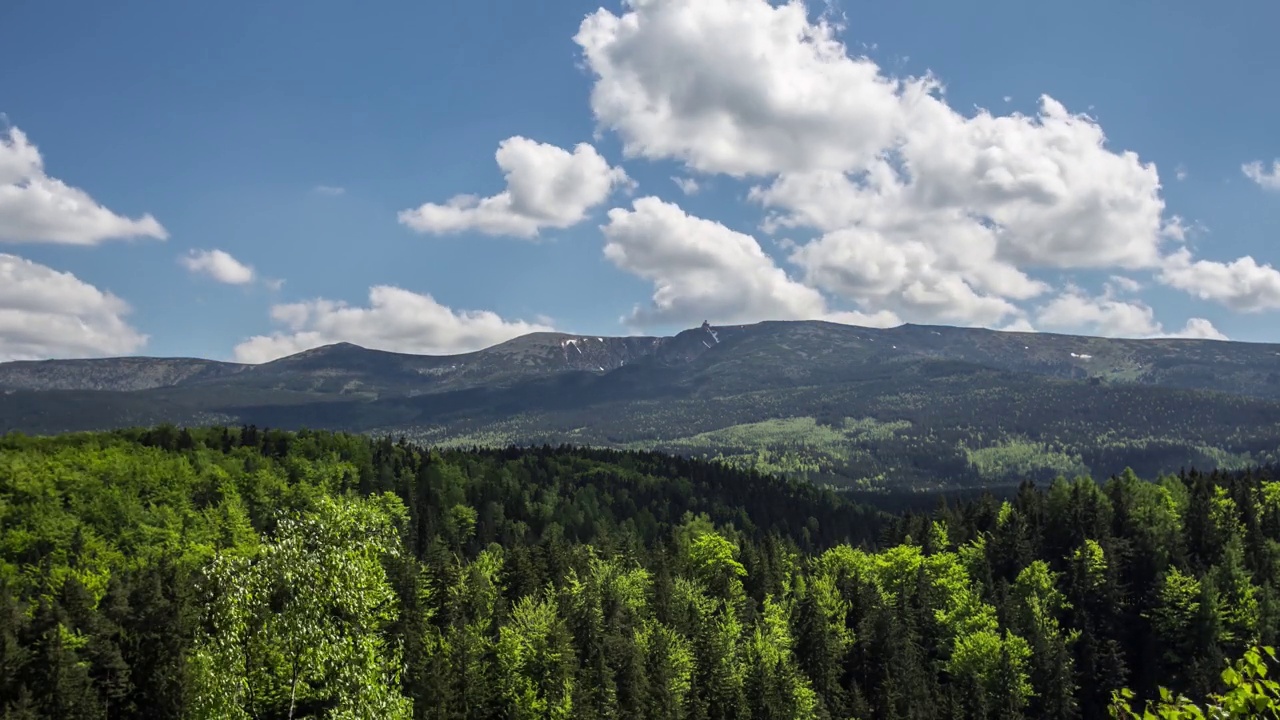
(913, 407)
(238, 573)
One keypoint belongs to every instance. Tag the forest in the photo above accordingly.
(249, 573)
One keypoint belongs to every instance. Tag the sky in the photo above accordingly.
(247, 179)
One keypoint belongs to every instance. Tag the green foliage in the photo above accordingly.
(533, 659)
(248, 573)
(1248, 693)
(301, 622)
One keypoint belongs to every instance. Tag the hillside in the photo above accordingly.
(912, 406)
(227, 573)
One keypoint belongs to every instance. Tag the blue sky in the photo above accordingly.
(294, 141)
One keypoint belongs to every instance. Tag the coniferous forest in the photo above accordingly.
(242, 573)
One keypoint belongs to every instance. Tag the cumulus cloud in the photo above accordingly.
(971, 205)
(547, 187)
(1200, 329)
(1242, 284)
(36, 208)
(702, 270)
(45, 313)
(1106, 316)
(219, 265)
(869, 268)
(1047, 187)
(955, 217)
(395, 319)
(1258, 173)
(736, 87)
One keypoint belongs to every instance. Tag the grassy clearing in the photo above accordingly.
(797, 433)
(1016, 457)
(799, 447)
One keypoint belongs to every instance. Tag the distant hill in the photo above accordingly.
(911, 406)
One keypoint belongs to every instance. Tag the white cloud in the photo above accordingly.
(877, 319)
(744, 87)
(687, 185)
(36, 208)
(1074, 311)
(736, 87)
(955, 209)
(395, 319)
(907, 275)
(547, 187)
(1038, 191)
(45, 313)
(1200, 329)
(330, 190)
(702, 270)
(1242, 284)
(1258, 173)
(1180, 172)
(219, 265)
(1020, 325)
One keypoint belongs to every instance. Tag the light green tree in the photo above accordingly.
(775, 684)
(534, 656)
(670, 662)
(474, 605)
(297, 629)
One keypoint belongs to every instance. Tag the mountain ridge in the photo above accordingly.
(12, 373)
(824, 400)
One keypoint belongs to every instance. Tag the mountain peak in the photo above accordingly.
(336, 347)
(330, 350)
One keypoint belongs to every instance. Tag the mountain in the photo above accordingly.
(914, 406)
